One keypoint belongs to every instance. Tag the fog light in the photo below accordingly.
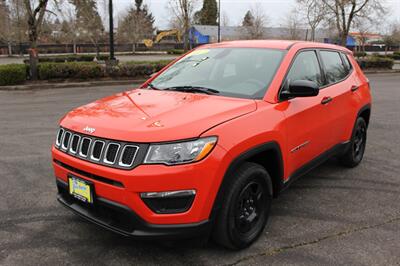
(169, 201)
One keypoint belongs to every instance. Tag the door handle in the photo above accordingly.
(326, 100)
(354, 88)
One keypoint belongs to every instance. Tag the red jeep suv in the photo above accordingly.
(203, 147)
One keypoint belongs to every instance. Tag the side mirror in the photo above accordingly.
(301, 88)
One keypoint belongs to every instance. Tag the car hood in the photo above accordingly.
(152, 116)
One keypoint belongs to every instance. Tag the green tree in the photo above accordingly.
(254, 23)
(196, 18)
(209, 13)
(88, 22)
(138, 5)
(137, 24)
(248, 20)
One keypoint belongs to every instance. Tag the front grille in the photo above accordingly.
(128, 155)
(84, 150)
(97, 150)
(59, 136)
(112, 153)
(75, 144)
(66, 139)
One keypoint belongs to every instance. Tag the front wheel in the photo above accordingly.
(245, 208)
(355, 153)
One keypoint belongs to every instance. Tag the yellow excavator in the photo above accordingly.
(161, 35)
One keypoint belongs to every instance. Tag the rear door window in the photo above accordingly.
(346, 62)
(334, 68)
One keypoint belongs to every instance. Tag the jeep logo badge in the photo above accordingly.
(90, 130)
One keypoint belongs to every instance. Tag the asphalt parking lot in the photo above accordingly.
(331, 216)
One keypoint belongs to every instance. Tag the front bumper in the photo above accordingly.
(122, 220)
(123, 188)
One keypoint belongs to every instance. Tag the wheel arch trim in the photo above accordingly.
(272, 146)
(366, 107)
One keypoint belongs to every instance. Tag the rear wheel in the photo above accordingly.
(355, 153)
(245, 208)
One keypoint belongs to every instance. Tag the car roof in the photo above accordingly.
(275, 44)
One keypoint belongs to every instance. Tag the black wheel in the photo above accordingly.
(355, 153)
(246, 207)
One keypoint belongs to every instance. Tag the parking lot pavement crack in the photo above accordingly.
(274, 251)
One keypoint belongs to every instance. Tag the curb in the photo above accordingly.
(46, 86)
(393, 71)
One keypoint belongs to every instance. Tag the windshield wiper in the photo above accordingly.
(151, 86)
(193, 89)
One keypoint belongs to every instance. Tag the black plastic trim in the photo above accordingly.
(135, 227)
(269, 146)
(153, 205)
(89, 175)
(364, 108)
(320, 159)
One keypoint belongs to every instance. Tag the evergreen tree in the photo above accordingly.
(137, 25)
(209, 13)
(197, 17)
(89, 24)
(138, 4)
(248, 20)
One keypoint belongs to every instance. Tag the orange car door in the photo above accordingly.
(307, 119)
(342, 88)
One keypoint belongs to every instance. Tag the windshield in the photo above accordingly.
(234, 72)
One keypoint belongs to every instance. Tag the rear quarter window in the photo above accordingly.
(335, 69)
(346, 62)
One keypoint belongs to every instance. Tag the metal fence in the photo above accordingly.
(85, 48)
(125, 47)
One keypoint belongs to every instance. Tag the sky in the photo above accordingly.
(235, 10)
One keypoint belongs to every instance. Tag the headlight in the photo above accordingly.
(180, 152)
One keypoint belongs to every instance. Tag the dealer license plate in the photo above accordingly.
(80, 189)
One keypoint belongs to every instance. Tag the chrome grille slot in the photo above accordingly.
(66, 139)
(85, 145)
(74, 144)
(59, 137)
(128, 155)
(111, 153)
(97, 150)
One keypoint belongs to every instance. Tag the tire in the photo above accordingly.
(355, 152)
(246, 207)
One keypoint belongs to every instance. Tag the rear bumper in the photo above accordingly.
(124, 221)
